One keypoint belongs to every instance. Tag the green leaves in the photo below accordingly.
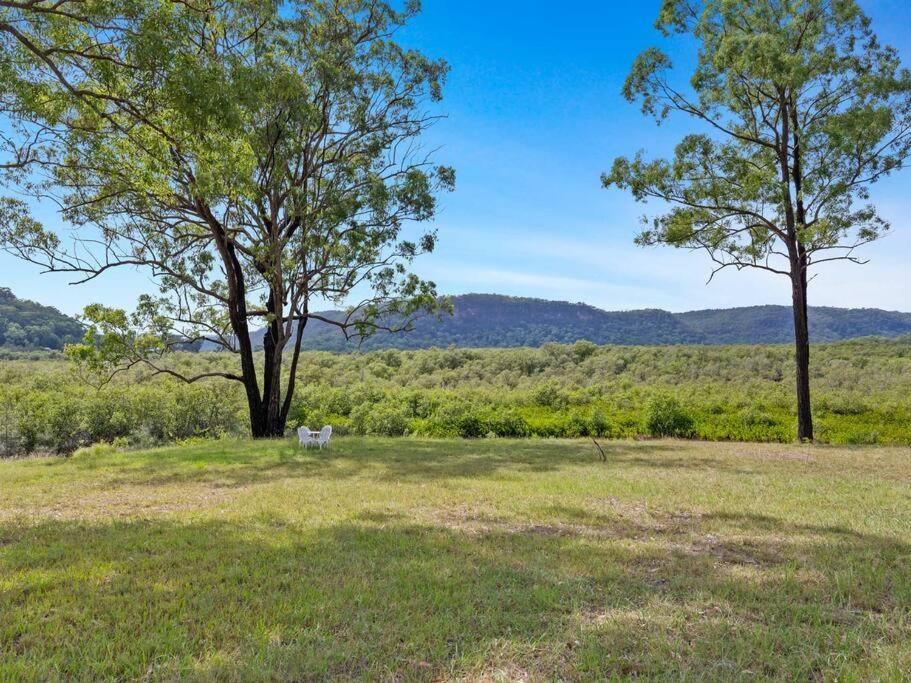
(253, 156)
(21, 234)
(642, 82)
(797, 110)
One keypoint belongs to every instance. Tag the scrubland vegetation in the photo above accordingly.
(740, 393)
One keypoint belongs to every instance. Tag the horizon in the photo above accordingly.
(577, 303)
(539, 94)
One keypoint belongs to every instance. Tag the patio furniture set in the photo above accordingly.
(309, 438)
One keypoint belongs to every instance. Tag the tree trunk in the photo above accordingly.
(270, 404)
(797, 256)
(292, 375)
(267, 419)
(266, 424)
(802, 356)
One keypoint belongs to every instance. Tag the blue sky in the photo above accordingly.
(534, 117)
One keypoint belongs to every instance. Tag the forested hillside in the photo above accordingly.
(774, 324)
(495, 321)
(490, 320)
(26, 324)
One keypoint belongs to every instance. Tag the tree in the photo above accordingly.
(801, 111)
(254, 157)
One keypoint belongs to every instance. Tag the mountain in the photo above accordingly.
(774, 324)
(26, 324)
(490, 320)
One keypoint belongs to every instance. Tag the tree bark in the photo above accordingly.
(267, 419)
(266, 423)
(237, 313)
(270, 425)
(797, 254)
(271, 422)
(802, 356)
(273, 348)
(292, 376)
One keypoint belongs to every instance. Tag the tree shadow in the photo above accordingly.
(677, 462)
(767, 523)
(379, 597)
(236, 464)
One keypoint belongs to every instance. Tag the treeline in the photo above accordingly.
(863, 395)
(491, 320)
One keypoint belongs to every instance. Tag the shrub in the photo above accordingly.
(664, 416)
(95, 449)
(583, 349)
(561, 391)
(471, 426)
(842, 405)
(579, 425)
(447, 418)
(550, 396)
(357, 419)
(598, 424)
(507, 423)
(108, 415)
(386, 419)
(551, 425)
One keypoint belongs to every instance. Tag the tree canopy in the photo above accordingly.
(253, 156)
(800, 87)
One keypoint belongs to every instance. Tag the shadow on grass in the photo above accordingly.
(766, 523)
(245, 463)
(381, 598)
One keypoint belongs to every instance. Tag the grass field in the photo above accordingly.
(478, 560)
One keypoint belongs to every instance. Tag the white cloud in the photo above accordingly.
(617, 275)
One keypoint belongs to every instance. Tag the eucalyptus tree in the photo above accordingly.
(799, 109)
(253, 156)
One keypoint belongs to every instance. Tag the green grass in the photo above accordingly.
(478, 560)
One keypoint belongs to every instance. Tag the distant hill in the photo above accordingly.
(774, 324)
(28, 325)
(490, 320)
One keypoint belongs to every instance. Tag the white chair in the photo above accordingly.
(324, 435)
(305, 437)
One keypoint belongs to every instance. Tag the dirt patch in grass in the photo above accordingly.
(623, 520)
(745, 551)
(679, 534)
(774, 453)
(474, 522)
(124, 503)
(511, 673)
